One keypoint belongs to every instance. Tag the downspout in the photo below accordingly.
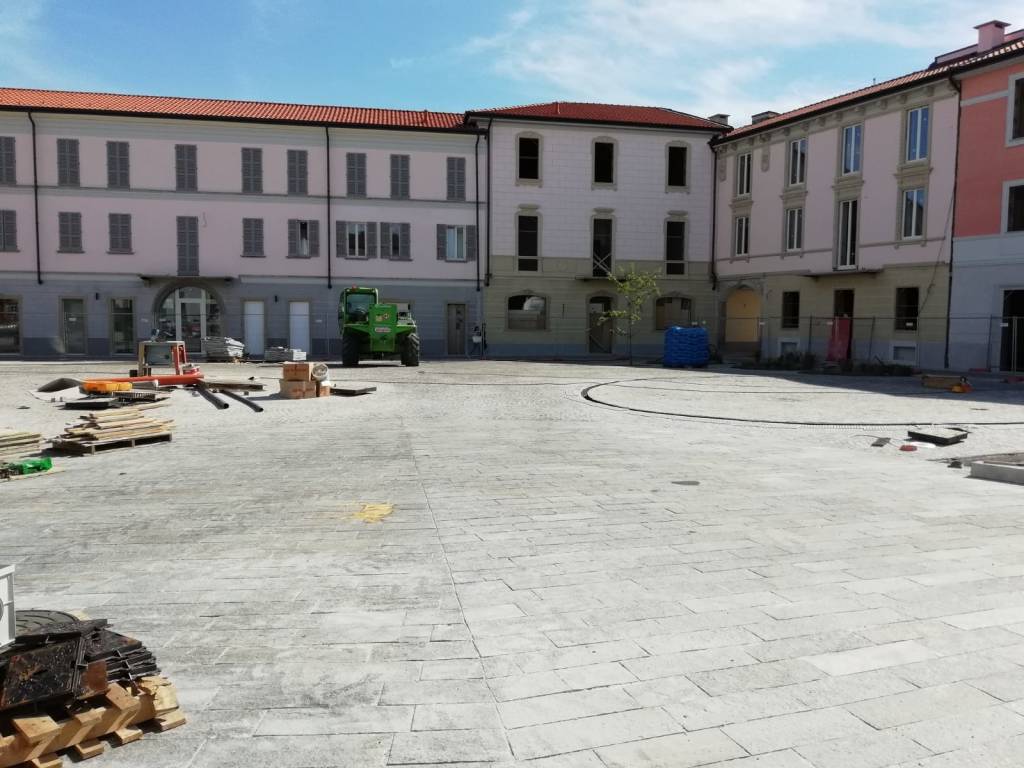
(952, 224)
(327, 144)
(35, 200)
(476, 204)
(487, 274)
(713, 273)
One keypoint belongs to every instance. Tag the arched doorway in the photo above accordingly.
(189, 313)
(742, 320)
(599, 334)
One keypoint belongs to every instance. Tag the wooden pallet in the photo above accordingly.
(114, 716)
(53, 471)
(93, 446)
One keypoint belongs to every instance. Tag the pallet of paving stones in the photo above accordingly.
(123, 428)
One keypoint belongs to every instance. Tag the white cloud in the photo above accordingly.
(706, 56)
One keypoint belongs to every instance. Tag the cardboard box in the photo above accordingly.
(296, 390)
(323, 390)
(297, 371)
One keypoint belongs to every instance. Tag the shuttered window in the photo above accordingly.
(188, 245)
(356, 239)
(8, 231)
(67, 163)
(8, 173)
(400, 177)
(252, 169)
(186, 173)
(117, 165)
(456, 242)
(303, 238)
(355, 174)
(120, 232)
(395, 241)
(456, 178)
(298, 172)
(69, 225)
(252, 237)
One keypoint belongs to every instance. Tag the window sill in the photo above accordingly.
(357, 195)
(254, 256)
(122, 189)
(456, 261)
(9, 250)
(305, 258)
(120, 252)
(602, 185)
(400, 197)
(186, 189)
(351, 257)
(68, 185)
(529, 182)
(674, 188)
(398, 258)
(70, 250)
(252, 192)
(455, 199)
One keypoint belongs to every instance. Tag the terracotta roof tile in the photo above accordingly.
(932, 73)
(617, 114)
(256, 111)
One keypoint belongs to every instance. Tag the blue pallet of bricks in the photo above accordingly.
(685, 347)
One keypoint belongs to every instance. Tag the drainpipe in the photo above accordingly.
(952, 223)
(487, 274)
(35, 200)
(714, 214)
(327, 145)
(476, 204)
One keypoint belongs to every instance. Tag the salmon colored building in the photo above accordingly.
(987, 296)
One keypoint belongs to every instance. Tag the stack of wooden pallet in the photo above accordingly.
(123, 428)
(18, 445)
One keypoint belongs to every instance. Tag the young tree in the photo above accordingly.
(634, 289)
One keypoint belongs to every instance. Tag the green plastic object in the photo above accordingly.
(371, 329)
(30, 466)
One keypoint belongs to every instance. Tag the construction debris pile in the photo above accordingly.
(302, 380)
(119, 428)
(18, 445)
(223, 349)
(64, 686)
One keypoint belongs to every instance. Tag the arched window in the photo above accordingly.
(672, 310)
(527, 312)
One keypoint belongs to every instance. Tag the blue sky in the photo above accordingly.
(700, 56)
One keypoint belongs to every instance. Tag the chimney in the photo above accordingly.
(991, 35)
(760, 117)
(719, 118)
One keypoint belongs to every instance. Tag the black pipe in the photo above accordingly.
(712, 270)
(242, 399)
(35, 200)
(476, 204)
(203, 390)
(487, 273)
(952, 222)
(327, 144)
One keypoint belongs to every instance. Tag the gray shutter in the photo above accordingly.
(442, 242)
(361, 174)
(385, 240)
(126, 231)
(471, 242)
(293, 173)
(395, 176)
(350, 174)
(293, 237)
(406, 160)
(405, 242)
(8, 231)
(63, 162)
(180, 174)
(303, 169)
(314, 238)
(371, 239)
(460, 189)
(452, 166)
(182, 245)
(340, 240)
(258, 235)
(7, 160)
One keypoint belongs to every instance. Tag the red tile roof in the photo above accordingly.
(254, 111)
(932, 73)
(616, 114)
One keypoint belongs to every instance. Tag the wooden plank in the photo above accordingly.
(88, 749)
(72, 446)
(54, 471)
(352, 391)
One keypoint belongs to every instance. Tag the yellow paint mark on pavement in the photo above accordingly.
(374, 513)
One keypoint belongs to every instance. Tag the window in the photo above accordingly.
(69, 227)
(913, 214)
(394, 241)
(8, 231)
(906, 309)
(794, 229)
(252, 169)
(604, 162)
(602, 254)
(120, 232)
(791, 309)
(904, 353)
(1018, 109)
(529, 158)
(797, 161)
(852, 135)
(1015, 212)
(10, 326)
(842, 302)
(677, 166)
(456, 242)
(298, 172)
(741, 236)
(117, 165)
(7, 168)
(527, 312)
(917, 134)
(122, 327)
(675, 247)
(743, 166)
(847, 255)
(527, 243)
(670, 311)
(400, 177)
(186, 178)
(357, 239)
(303, 238)
(188, 245)
(252, 237)
(355, 174)
(456, 178)
(67, 163)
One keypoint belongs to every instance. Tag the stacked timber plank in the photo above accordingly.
(283, 355)
(18, 445)
(123, 428)
(223, 349)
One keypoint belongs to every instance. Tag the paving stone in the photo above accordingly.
(436, 692)
(965, 729)
(431, 747)
(565, 706)
(872, 657)
(785, 758)
(711, 711)
(920, 704)
(830, 691)
(360, 719)
(873, 750)
(679, 751)
(794, 730)
(453, 717)
(754, 676)
(692, 661)
(350, 751)
(590, 732)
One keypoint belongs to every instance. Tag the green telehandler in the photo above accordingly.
(375, 330)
